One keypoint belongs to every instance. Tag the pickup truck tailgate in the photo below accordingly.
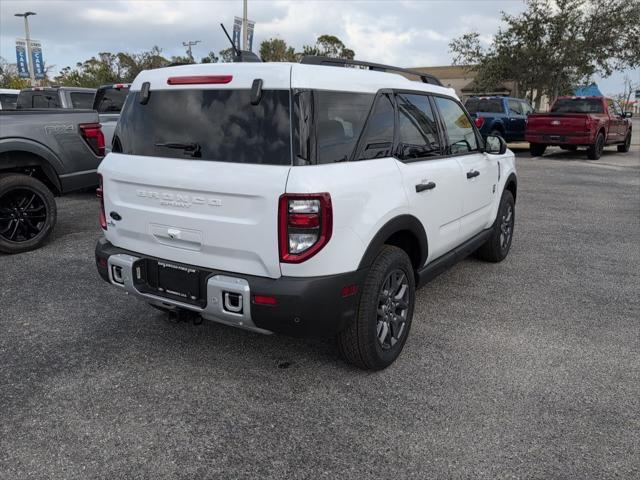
(561, 124)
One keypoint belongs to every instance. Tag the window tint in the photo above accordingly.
(38, 99)
(82, 100)
(219, 125)
(378, 136)
(460, 132)
(8, 101)
(515, 107)
(578, 105)
(339, 117)
(418, 133)
(485, 105)
(110, 100)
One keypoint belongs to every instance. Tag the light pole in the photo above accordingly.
(27, 34)
(189, 44)
(245, 33)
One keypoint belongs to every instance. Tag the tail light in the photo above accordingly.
(479, 122)
(100, 195)
(305, 224)
(92, 134)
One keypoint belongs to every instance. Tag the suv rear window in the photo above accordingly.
(110, 99)
(486, 105)
(217, 125)
(578, 105)
(38, 99)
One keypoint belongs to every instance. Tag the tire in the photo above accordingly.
(369, 342)
(537, 149)
(27, 213)
(626, 146)
(498, 245)
(594, 152)
(569, 148)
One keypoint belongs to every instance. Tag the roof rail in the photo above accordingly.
(342, 62)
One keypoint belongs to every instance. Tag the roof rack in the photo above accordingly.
(342, 62)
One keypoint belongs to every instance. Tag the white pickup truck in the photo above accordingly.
(306, 199)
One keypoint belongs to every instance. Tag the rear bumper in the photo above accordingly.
(558, 139)
(306, 307)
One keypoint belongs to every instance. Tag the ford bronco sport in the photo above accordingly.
(302, 198)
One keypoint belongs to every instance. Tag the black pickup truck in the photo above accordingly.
(43, 153)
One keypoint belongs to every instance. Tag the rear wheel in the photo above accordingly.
(27, 213)
(537, 149)
(626, 146)
(594, 152)
(378, 334)
(498, 245)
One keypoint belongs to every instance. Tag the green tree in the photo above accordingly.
(555, 45)
(9, 76)
(227, 55)
(210, 58)
(277, 50)
(329, 46)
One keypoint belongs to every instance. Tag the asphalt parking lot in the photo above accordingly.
(525, 369)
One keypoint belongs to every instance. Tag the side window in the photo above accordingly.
(614, 108)
(82, 100)
(418, 133)
(460, 132)
(378, 136)
(515, 107)
(340, 117)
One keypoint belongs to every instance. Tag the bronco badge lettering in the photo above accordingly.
(181, 200)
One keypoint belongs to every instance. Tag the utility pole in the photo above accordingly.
(245, 33)
(189, 44)
(27, 34)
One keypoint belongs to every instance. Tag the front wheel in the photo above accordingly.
(376, 337)
(537, 149)
(27, 213)
(498, 245)
(626, 146)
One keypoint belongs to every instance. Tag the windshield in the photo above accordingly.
(486, 105)
(110, 100)
(578, 105)
(219, 125)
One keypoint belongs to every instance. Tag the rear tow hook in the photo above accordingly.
(179, 315)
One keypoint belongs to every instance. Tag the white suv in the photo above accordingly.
(298, 198)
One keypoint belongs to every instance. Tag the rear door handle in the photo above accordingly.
(473, 173)
(421, 187)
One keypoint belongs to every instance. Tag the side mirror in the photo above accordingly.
(495, 145)
(628, 114)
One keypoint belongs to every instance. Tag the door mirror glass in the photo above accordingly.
(495, 144)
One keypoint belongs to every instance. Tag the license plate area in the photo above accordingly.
(183, 283)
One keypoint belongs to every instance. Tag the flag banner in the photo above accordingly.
(237, 28)
(250, 27)
(21, 58)
(37, 62)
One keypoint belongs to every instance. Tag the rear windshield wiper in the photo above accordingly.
(192, 148)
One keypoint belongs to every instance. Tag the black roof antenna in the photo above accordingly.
(241, 55)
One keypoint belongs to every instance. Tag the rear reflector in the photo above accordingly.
(349, 290)
(199, 79)
(264, 300)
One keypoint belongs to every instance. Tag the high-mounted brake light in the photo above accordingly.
(479, 122)
(100, 195)
(119, 86)
(199, 79)
(305, 224)
(92, 134)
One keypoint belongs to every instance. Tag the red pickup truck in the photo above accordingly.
(573, 122)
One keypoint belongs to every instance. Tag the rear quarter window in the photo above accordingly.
(222, 125)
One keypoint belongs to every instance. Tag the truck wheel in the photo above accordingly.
(378, 334)
(626, 146)
(594, 152)
(497, 247)
(537, 149)
(27, 213)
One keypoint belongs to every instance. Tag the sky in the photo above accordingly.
(403, 33)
